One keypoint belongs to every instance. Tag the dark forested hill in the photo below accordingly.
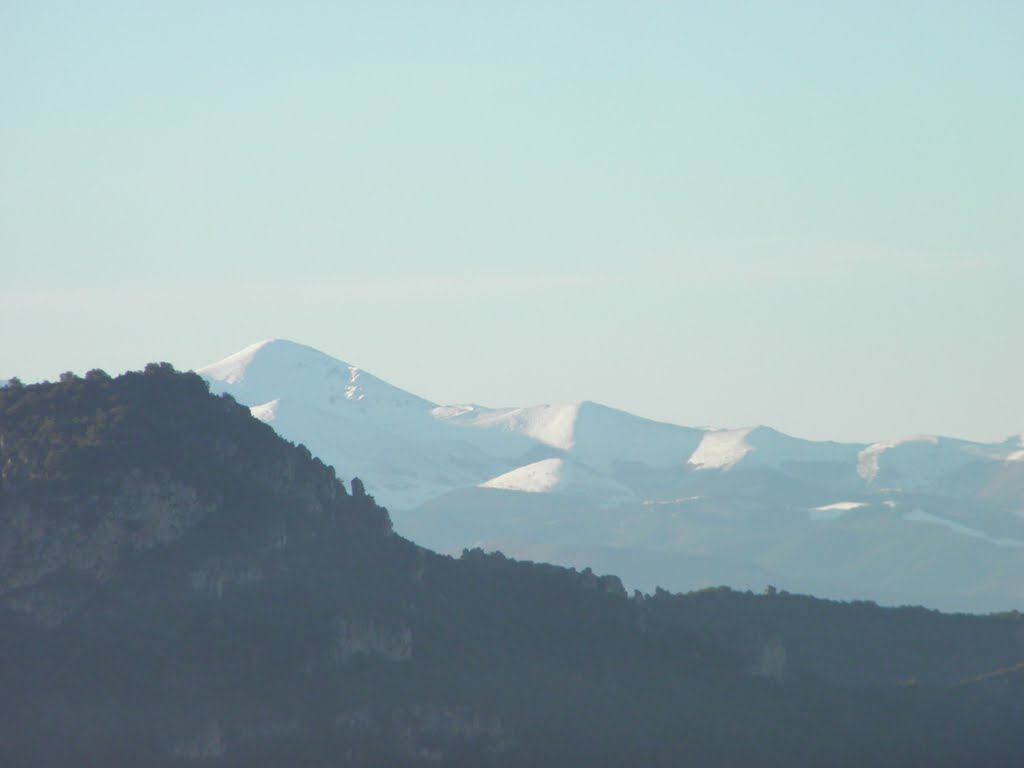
(857, 643)
(178, 585)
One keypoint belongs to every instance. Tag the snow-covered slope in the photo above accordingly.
(590, 432)
(359, 424)
(906, 520)
(408, 449)
(765, 447)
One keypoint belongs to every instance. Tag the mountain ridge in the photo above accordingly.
(860, 501)
(555, 429)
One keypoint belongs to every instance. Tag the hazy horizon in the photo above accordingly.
(703, 213)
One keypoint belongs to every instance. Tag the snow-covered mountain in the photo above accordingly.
(923, 519)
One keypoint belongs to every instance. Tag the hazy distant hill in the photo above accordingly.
(927, 520)
(180, 586)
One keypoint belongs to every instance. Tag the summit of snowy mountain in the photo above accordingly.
(270, 357)
(277, 369)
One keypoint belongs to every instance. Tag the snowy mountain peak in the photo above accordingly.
(233, 368)
(277, 369)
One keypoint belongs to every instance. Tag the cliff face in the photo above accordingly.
(90, 537)
(178, 585)
(97, 471)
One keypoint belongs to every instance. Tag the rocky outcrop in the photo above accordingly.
(769, 659)
(356, 636)
(86, 538)
(211, 578)
(42, 537)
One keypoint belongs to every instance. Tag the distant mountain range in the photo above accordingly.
(920, 520)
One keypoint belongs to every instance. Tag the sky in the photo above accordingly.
(802, 214)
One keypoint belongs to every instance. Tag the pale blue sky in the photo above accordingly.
(804, 214)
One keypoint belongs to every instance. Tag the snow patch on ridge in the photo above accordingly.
(553, 425)
(1017, 455)
(265, 412)
(539, 477)
(721, 449)
(563, 476)
(445, 412)
(867, 460)
(842, 506)
(834, 511)
(232, 369)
